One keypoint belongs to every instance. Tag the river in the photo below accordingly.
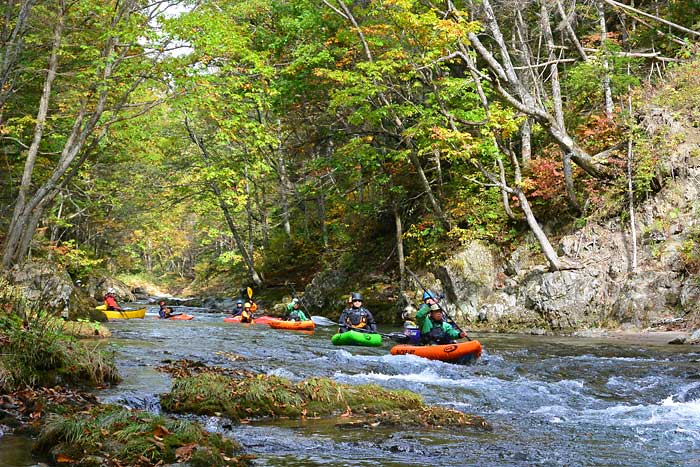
(551, 401)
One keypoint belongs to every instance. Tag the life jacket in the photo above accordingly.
(162, 312)
(294, 315)
(356, 318)
(246, 316)
(111, 303)
(437, 335)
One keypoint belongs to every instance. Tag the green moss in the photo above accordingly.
(133, 438)
(261, 396)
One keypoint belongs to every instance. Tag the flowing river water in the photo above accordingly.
(551, 401)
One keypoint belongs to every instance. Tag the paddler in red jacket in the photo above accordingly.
(110, 301)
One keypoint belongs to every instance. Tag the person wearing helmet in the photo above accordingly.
(247, 313)
(356, 316)
(294, 313)
(433, 329)
(110, 301)
(164, 312)
(238, 309)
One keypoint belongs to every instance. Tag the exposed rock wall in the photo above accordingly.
(516, 292)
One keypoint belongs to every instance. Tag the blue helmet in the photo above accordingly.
(239, 302)
(429, 294)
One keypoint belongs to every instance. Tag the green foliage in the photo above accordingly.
(690, 251)
(135, 438)
(36, 351)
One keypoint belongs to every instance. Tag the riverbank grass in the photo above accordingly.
(246, 396)
(37, 353)
(114, 435)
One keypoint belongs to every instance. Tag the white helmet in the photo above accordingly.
(111, 290)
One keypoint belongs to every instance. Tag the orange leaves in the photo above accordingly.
(546, 179)
(63, 459)
(184, 453)
(598, 133)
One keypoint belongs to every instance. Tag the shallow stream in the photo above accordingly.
(551, 401)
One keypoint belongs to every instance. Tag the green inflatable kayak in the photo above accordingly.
(357, 338)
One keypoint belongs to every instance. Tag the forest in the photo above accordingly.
(526, 171)
(209, 144)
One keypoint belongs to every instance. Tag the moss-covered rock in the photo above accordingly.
(253, 396)
(113, 435)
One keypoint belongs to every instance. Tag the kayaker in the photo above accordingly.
(294, 313)
(429, 299)
(110, 301)
(433, 329)
(356, 316)
(239, 308)
(164, 312)
(246, 314)
(253, 306)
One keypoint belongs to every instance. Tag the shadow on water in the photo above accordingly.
(551, 401)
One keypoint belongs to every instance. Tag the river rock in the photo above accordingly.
(327, 291)
(50, 286)
(694, 338)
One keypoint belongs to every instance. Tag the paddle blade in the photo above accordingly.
(250, 292)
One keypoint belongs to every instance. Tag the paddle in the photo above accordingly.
(444, 312)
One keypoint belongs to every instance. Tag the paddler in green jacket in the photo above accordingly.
(294, 313)
(433, 329)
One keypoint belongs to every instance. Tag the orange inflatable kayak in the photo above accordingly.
(307, 325)
(182, 317)
(460, 353)
(259, 320)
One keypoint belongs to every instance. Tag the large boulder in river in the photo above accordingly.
(52, 289)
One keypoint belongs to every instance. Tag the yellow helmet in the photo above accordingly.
(246, 305)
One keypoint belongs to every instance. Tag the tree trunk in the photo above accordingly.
(14, 233)
(557, 103)
(249, 213)
(284, 200)
(224, 208)
(11, 46)
(399, 248)
(607, 91)
(547, 249)
(526, 141)
(261, 202)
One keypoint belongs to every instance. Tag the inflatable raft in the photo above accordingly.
(460, 353)
(259, 320)
(307, 325)
(357, 338)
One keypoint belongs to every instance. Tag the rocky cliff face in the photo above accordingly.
(603, 290)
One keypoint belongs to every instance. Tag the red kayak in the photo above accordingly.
(460, 353)
(307, 325)
(182, 317)
(259, 320)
